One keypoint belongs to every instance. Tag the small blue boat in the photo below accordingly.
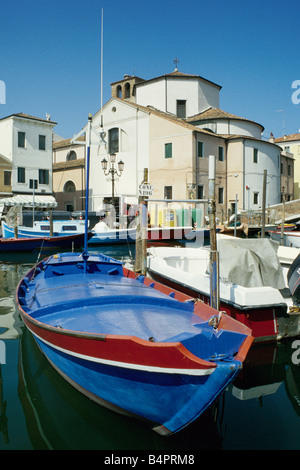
(131, 345)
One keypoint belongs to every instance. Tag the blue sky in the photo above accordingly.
(50, 54)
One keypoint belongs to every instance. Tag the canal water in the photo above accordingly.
(39, 410)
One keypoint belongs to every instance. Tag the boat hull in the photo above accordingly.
(291, 238)
(168, 382)
(140, 393)
(263, 321)
(13, 245)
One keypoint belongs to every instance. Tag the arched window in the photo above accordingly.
(71, 155)
(119, 91)
(113, 140)
(69, 187)
(127, 90)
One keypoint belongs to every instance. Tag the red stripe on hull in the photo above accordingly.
(122, 349)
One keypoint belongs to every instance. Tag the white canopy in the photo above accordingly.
(28, 201)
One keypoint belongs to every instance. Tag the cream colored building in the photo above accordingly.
(69, 175)
(170, 125)
(290, 165)
(5, 176)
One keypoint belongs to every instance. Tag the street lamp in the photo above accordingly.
(109, 169)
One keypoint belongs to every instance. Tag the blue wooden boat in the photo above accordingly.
(41, 228)
(129, 344)
(126, 343)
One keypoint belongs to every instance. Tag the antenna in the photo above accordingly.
(176, 62)
(283, 119)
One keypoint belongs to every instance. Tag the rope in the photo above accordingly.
(294, 308)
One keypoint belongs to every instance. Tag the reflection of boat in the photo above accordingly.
(127, 344)
(51, 407)
(251, 282)
(40, 243)
(263, 372)
(267, 368)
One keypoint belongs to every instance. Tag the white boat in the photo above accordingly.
(252, 284)
(42, 228)
(291, 238)
(102, 234)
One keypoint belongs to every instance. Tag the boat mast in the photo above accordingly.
(87, 175)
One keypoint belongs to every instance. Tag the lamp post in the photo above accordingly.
(109, 169)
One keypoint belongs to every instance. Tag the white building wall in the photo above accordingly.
(133, 127)
(6, 138)
(164, 93)
(238, 127)
(30, 157)
(268, 159)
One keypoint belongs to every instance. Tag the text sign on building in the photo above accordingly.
(145, 189)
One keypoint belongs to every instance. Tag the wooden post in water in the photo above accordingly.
(141, 233)
(282, 219)
(51, 221)
(214, 258)
(263, 218)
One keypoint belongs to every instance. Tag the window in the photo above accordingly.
(200, 194)
(200, 152)
(255, 155)
(113, 140)
(181, 108)
(119, 91)
(33, 184)
(21, 139)
(44, 176)
(42, 142)
(281, 168)
(71, 156)
(255, 198)
(21, 175)
(221, 195)
(69, 187)
(168, 150)
(168, 192)
(289, 170)
(221, 154)
(127, 90)
(7, 178)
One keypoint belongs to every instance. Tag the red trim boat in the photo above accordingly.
(129, 344)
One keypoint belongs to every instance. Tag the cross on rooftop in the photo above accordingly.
(176, 62)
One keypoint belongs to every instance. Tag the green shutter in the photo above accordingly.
(168, 150)
(200, 149)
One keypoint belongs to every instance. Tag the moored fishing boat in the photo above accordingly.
(127, 344)
(13, 245)
(252, 286)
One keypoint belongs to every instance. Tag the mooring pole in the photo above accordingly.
(263, 214)
(214, 256)
(87, 170)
